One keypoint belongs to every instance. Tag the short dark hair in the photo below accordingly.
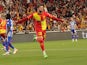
(8, 16)
(38, 5)
(41, 4)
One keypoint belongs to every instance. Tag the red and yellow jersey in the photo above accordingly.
(39, 20)
(2, 26)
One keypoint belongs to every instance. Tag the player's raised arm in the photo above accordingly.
(53, 17)
(24, 19)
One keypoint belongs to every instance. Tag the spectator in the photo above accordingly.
(61, 8)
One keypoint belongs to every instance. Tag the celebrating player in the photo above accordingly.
(73, 29)
(40, 25)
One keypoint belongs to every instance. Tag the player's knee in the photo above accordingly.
(40, 39)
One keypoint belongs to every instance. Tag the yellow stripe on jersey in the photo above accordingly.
(36, 17)
(43, 24)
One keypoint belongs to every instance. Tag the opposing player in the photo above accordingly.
(40, 25)
(73, 29)
(9, 35)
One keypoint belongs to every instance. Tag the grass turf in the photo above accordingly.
(62, 52)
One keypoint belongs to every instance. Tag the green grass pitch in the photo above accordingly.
(62, 52)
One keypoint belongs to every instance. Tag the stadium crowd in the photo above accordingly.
(60, 8)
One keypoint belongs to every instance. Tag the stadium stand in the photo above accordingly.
(59, 8)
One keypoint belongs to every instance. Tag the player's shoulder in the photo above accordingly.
(1, 20)
(34, 14)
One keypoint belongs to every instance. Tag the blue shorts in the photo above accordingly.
(73, 31)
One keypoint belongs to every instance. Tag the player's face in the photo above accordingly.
(40, 9)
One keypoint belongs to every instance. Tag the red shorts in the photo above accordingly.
(3, 35)
(41, 33)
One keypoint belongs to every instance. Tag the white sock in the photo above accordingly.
(76, 40)
(44, 52)
(72, 40)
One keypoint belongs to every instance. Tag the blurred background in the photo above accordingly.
(59, 8)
